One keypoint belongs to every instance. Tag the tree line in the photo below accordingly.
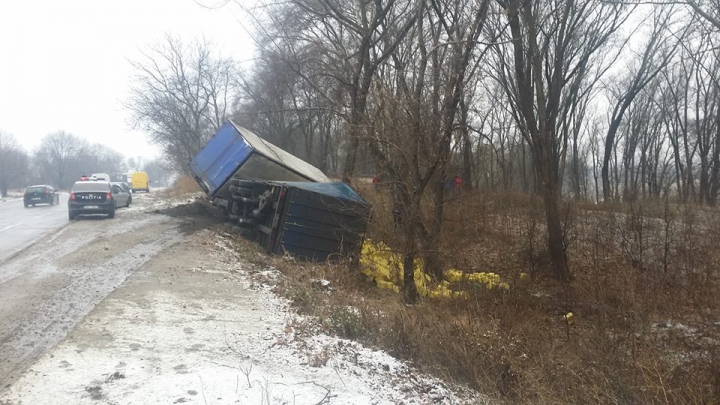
(60, 160)
(570, 99)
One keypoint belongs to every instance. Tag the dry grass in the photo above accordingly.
(183, 186)
(645, 296)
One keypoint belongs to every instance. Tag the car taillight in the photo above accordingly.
(46, 191)
(72, 196)
(108, 196)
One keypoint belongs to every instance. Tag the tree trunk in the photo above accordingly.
(556, 237)
(410, 215)
(715, 168)
(467, 147)
(550, 191)
(359, 102)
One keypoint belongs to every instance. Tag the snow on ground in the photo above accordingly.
(159, 201)
(12, 196)
(194, 327)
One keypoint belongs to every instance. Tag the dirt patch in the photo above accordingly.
(95, 392)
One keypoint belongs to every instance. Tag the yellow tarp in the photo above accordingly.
(383, 265)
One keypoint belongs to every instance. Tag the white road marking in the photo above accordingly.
(9, 227)
(40, 216)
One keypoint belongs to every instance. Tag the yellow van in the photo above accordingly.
(140, 182)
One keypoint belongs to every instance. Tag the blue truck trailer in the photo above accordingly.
(284, 203)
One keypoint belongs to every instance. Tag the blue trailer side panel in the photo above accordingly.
(220, 158)
(322, 221)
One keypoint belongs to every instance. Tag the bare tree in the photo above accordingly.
(14, 167)
(181, 95)
(416, 120)
(359, 35)
(59, 157)
(658, 51)
(552, 47)
(158, 175)
(709, 10)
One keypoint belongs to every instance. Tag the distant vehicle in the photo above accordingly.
(41, 194)
(140, 182)
(100, 177)
(95, 197)
(125, 186)
(84, 177)
(125, 189)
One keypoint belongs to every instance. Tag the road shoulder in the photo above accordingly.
(191, 326)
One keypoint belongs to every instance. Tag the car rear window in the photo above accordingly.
(35, 189)
(91, 186)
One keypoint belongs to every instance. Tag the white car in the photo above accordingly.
(100, 177)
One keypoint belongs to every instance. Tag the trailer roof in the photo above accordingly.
(280, 156)
(336, 189)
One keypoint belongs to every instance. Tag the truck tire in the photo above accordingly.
(248, 232)
(250, 200)
(243, 183)
(243, 191)
(247, 222)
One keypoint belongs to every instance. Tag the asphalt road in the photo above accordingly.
(53, 271)
(20, 226)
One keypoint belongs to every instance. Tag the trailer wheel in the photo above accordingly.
(250, 200)
(243, 183)
(248, 232)
(247, 222)
(239, 198)
(242, 191)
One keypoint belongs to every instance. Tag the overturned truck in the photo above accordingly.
(284, 203)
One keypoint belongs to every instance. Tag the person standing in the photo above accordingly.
(376, 182)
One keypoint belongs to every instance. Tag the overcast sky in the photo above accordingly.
(64, 62)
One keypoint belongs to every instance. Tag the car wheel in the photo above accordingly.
(127, 204)
(111, 214)
(52, 202)
(26, 205)
(71, 216)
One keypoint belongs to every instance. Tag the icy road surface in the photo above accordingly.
(20, 226)
(58, 270)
